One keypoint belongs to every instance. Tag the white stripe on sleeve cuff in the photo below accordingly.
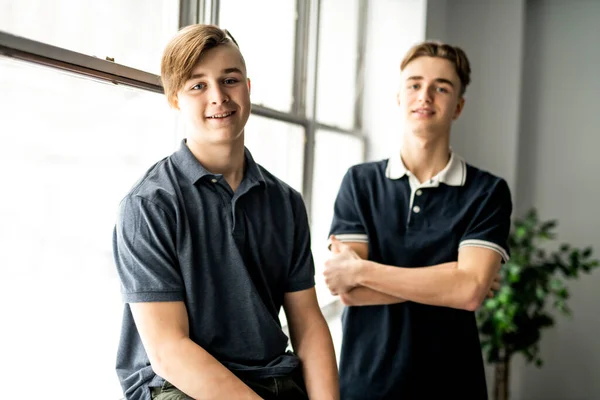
(487, 245)
(350, 237)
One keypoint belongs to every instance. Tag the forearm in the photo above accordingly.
(195, 372)
(366, 296)
(319, 367)
(441, 285)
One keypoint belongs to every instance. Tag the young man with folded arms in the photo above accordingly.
(417, 242)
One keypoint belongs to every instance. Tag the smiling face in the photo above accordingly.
(215, 100)
(430, 96)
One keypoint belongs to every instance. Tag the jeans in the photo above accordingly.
(290, 387)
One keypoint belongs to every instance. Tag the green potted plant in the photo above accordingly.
(532, 281)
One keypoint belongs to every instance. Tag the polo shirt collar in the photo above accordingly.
(194, 171)
(454, 174)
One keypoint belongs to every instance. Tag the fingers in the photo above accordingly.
(336, 246)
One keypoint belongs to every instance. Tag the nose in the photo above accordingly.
(426, 95)
(218, 95)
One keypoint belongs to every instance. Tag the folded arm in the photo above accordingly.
(164, 330)
(366, 296)
(464, 287)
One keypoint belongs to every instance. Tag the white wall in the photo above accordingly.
(393, 26)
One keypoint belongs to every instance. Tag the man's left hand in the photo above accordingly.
(341, 269)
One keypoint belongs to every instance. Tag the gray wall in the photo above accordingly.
(559, 174)
(531, 117)
(491, 32)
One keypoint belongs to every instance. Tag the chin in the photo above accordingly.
(421, 131)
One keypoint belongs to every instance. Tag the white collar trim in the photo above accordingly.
(454, 174)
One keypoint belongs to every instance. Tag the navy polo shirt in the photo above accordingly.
(410, 350)
(182, 234)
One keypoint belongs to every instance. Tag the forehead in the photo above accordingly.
(430, 68)
(218, 59)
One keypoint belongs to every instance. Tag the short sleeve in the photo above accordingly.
(302, 271)
(347, 224)
(145, 254)
(490, 225)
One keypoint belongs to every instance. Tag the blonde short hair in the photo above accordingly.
(183, 52)
(453, 54)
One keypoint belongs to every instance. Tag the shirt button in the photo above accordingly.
(419, 192)
(416, 209)
(213, 180)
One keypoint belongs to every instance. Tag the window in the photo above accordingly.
(132, 32)
(337, 63)
(70, 149)
(73, 143)
(268, 45)
(279, 147)
(334, 153)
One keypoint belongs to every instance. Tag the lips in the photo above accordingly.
(424, 111)
(221, 115)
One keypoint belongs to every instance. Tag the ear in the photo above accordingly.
(459, 107)
(249, 86)
(175, 102)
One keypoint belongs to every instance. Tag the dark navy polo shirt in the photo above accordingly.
(411, 350)
(182, 234)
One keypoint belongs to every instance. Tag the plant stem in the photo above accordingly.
(501, 378)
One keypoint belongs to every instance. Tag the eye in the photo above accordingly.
(414, 86)
(198, 86)
(442, 90)
(230, 81)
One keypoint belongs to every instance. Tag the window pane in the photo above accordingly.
(133, 32)
(267, 44)
(70, 149)
(279, 147)
(336, 72)
(334, 154)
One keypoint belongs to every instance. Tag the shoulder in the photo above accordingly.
(368, 169)
(157, 186)
(487, 188)
(364, 175)
(277, 187)
(484, 181)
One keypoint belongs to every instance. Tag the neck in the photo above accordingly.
(425, 157)
(226, 159)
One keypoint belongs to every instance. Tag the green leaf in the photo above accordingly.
(518, 316)
(520, 232)
(491, 304)
(540, 293)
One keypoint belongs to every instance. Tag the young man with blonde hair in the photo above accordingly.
(417, 241)
(209, 246)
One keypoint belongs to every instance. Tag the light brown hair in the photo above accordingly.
(183, 52)
(453, 54)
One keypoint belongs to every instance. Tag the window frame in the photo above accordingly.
(306, 53)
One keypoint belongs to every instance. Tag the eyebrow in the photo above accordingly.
(440, 80)
(225, 71)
